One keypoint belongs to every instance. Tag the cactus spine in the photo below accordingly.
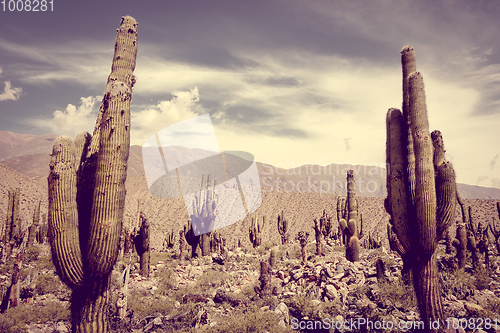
(87, 193)
(283, 227)
(256, 230)
(421, 188)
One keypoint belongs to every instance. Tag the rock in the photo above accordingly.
(331, 292)
(474, 309)
(61, 328)
(283, 315)
(157, 321)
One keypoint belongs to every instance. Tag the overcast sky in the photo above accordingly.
(291, 82)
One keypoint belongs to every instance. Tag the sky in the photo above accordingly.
(292, 82)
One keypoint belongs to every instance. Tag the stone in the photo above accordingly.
(331, 292)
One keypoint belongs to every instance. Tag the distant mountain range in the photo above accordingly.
(30, 156)
(302, 193)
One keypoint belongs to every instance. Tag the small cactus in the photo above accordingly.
(33, 228)
(191, 239)
(169, 240)
(265, 281)
(142, 245)
(272, 256)
(495, 231)
(283, 227)
(256, 230)
(319, 228)
(182, 254)
(302, 238)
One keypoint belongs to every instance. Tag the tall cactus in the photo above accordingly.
(421, 188)
(87, 193)
(348, 223)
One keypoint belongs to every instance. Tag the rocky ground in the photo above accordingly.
(200, 294)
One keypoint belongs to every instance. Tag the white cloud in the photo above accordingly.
(183, 105)
(72, 120)
(10, 93)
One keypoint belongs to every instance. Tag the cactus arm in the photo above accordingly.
(409, 65)
(63, 215)
(396, 174)
(425, 189)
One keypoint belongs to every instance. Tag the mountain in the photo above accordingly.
(14, 144)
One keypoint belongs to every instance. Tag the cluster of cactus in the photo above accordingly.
(283, 227)
(373, 242)
(302, 238)
(204, 213)
(347, 215)
(86, 188)
(421, 189)
(470, 237)
(256, 230)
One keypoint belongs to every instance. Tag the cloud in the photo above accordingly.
(10, 93)
(72, 120)
(183, 105)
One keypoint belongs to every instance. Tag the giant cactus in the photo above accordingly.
(87, 193)
(421, 188)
